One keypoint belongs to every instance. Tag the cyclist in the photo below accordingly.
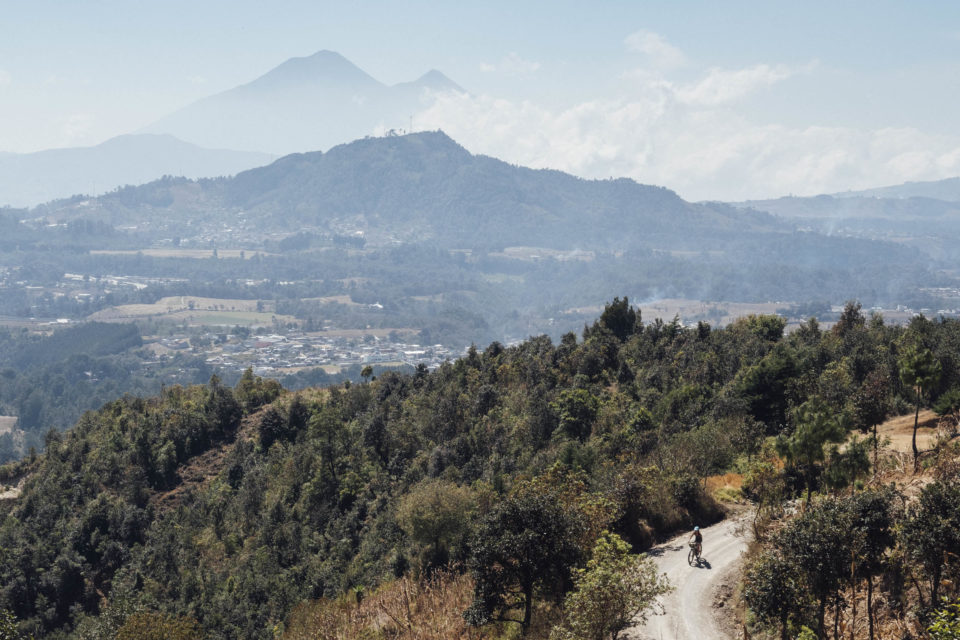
(696, 540)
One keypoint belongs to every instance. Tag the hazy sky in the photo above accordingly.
(713, 99)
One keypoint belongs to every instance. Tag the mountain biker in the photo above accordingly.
(696, 540)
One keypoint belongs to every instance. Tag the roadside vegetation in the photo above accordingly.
(508, 492)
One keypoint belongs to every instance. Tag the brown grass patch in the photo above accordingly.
(175, 304)
(728, 480)
(403, 609)
(407, 609)
(899, 431)
(726, 487)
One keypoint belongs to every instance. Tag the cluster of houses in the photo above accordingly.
(275, 354)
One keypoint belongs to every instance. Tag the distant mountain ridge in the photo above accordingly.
(425, 187)
(31, 178)
(947, 189)
(922, 214)
(491, 237)
(304, 104)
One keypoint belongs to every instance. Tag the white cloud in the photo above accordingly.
(690, 146)
(721, 86)
(75, 128)
(196, 80)
(691, 136)
(659, 52)
(5, 78)
(512, 65)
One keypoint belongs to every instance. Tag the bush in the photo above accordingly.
(613, 592)
(946, 623)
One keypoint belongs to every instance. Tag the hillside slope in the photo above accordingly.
(29, 179)
(425, 187)
(232, 506)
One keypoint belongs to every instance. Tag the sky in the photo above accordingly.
(730, 100)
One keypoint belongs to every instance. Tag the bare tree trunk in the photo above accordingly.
(821, 614)
(923, 604)
(836, 617)
(527, 606)
(937, 572)
(870, 604)
(853, 599)
(876, 447)
(916, 424)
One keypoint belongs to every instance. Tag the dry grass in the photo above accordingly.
(726, 487)
(896, 468)
(400, 610)
(899, 431)
(173, 304)
(197, 311)
(406, 609)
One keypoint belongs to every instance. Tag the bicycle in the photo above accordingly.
(694, 555)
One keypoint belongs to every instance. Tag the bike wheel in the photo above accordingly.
(691, 556)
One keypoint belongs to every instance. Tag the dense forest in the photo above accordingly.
(48, 379)
(507, 477)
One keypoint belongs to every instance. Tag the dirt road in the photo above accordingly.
(700, 599)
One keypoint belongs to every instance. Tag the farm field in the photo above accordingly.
(181, 253)
(201, 318)
(342, 299)
(196, 310)
(172, 304)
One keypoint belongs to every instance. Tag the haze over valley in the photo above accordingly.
(479, 321)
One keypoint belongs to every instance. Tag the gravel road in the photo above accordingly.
(693, 609)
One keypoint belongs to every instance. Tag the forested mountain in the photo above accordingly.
(426, 188)
(925, 218)
(28, 179)
(221, 509)
(313, 102)
(504, 241)
(947, 189)
(49, 381)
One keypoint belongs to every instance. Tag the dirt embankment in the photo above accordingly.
(202, 468)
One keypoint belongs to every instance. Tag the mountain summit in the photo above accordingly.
(324, 68)
(304, 104)
(433, 80)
